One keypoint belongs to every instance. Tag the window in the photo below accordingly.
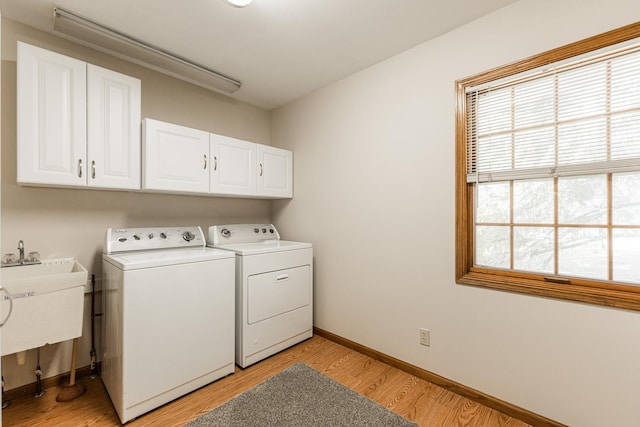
(548, 173)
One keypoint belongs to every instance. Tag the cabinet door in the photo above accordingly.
(113, 123)
(175, 158)
(233, 169)
(275, 172)
(51, 118)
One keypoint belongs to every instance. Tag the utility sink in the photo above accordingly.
(48, 303)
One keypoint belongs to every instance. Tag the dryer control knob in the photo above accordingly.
(163, 236)
(225, 232)
(188, 236)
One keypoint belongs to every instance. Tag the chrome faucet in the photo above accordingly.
(11, 260)
(21, 250)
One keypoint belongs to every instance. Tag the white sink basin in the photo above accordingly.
(48, 303)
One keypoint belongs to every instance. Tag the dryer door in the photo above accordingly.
(277, 292)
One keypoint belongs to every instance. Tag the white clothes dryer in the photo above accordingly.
(168, 316)
(274, 289)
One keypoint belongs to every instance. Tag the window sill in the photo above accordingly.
(572, 292)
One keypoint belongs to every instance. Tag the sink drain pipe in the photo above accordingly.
(39, 391)
(94, 369)
(5, 402)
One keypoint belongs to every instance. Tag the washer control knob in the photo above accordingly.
(122, 239)
(271, 230)
(163, 236)
(136, 237)
(225, 232)
(188, 236)
(150, 235)
(264, 230)
(256, 230)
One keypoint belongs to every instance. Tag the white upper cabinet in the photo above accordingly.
(52, 132)
(179, 159)
(175, 158)
(78, 124)
(233, 169)
(242, 168)
(113, 119)
(275, 172)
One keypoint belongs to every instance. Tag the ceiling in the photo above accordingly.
(279, 49)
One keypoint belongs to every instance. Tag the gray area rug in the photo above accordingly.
(300, 396)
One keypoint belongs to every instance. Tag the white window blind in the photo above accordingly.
(574, 119)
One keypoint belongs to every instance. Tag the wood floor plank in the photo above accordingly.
(414, 398)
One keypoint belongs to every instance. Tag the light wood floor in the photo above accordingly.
(413, 398)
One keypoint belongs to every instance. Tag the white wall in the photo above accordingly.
(374, 192)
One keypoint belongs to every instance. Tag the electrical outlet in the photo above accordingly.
(424, 337)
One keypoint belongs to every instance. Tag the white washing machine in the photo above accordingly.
(274, 289)
(168, 316)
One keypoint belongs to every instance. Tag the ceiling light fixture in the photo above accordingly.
(238, 3)
(98, 36)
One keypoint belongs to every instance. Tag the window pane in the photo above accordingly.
(493, 202)
(533, 249)
(494, 111)
(535, 148)
(533, 201)
(625, 136)
(582, 142)
(494, 153)
(492, 246)
(583, 252)
(625, 82)
(534, 103)
(582, 200)
(626, 255)
(559, 138)
(626, 199)
(582, 92)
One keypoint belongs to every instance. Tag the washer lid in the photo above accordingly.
(162, 258)
(266, 246)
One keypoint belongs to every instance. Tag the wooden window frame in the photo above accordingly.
(581, 290)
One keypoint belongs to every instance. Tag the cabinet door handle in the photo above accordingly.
(215, 163)
(93, 169)
(79, 168)
(205, 161)
(261, 169)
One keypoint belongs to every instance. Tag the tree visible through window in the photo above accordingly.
(548, 173)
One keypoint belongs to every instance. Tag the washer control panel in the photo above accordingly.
(241, 233)
(143, 239)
